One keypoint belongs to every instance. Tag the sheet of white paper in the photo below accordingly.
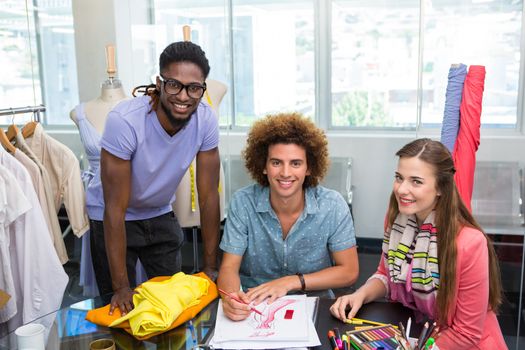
(310, 339)
(270, 326)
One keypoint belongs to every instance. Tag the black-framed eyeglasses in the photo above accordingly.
(174, 87)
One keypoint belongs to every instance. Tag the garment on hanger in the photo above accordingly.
(12, 130)
(13, 203)
(6, 144)
(47, 204)
(29, 129)
(64, 170)
(39, 278)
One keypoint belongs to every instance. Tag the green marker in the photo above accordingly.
(429, 343)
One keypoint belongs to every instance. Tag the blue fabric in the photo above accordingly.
(450, 128)
(91, 140)
(253, 231)
(158, 160)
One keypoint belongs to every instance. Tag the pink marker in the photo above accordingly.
(239, 300)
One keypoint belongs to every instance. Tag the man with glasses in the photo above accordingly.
(148, 144)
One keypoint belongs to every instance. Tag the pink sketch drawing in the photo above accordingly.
(265, 323)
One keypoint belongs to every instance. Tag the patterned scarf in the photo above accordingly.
(408, 247)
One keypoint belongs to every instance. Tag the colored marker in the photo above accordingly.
(333, 342)
(361, 321)
(239, 300)
(346, 342)
(338, 338)
(429, 344)
(192, 331)
(422, 336)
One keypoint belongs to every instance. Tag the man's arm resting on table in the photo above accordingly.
(116, 183)
(208, 173)
(344, 273)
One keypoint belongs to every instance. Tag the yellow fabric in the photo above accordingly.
(101, 315)
(158, 304)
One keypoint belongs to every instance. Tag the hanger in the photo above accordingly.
(12, 130)
(29, 129)
(5, 142)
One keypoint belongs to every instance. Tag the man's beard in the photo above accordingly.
(177, 123)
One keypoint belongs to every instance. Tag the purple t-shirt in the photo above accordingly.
(158, 160)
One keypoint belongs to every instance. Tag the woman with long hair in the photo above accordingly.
(435, 257)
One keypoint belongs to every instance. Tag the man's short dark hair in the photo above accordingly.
(184, 51)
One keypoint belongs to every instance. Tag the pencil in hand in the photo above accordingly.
(239, 301)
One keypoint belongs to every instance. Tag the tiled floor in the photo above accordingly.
(368, 260)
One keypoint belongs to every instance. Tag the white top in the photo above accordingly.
(13, 203)
(38, 275)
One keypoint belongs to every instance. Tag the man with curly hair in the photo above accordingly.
(285, 233)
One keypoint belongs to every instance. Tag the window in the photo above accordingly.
(37, 59)
(374, 63)
(273, 50)
(381, 67)
(474, 33)
(272, 55)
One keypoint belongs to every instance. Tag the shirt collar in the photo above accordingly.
(263, 200)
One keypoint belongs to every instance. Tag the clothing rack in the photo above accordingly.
(36, 110)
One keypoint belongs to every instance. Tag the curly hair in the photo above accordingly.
(180, 51)
(286, 128)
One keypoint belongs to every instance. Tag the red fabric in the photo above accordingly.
(467, 143)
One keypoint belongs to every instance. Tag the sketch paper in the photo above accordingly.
(303, 344)
(271, 326)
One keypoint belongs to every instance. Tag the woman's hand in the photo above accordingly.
(235, 310)
(355, 301)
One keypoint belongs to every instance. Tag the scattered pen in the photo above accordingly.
(192, 331)
(402, 329)
(239, 301)
(361, 321)
(346, 342)
(429, 334)
(333, 342)
(422, 336)
(338, 339)
(409, 324)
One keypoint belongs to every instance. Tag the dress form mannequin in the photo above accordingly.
(97, 110)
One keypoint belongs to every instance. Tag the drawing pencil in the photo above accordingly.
(239, 301)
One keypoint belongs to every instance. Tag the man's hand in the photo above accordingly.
(233, 309)
(123, 299)
(273, 289)
(211, 272)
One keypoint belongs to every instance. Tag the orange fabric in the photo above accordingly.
(102, 317)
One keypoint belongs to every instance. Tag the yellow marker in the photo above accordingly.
(361, 321)
(353, 322)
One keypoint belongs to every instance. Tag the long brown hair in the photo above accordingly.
(451, 215)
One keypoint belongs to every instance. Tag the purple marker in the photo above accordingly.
(338, 338)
